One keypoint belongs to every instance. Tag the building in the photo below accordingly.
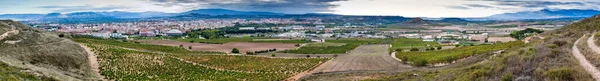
(147, 33)
(174, 32)
(246, 28)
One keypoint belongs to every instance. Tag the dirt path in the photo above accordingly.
(593, 45)
(363, 58)
(13, 30)
(583, 62)
(93, 61)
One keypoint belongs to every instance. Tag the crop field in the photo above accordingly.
(350, 45)
(227, 47)
(410, 43)
(325, 44)
(245, 39)
(134, 45)
(126, 65)
(448, 56)
(255, 64)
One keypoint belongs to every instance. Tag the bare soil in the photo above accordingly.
(227, 47)
(363, 58)
(583, 62)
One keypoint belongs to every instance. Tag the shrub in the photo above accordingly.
(507, 77)
(189, 47)
(235, 50)
(399, 50)
(272, 55)
(560, 42)
(250, 53)
(181, 45)
(552, 46)
(560, 74)
(297, 45)
(439, 48)
(420, 62)
(307, 56)
(414, 49)
(335, 55)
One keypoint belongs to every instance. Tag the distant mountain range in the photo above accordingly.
(545, 14)
(220, 13)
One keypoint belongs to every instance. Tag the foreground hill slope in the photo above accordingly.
(41, 53)
(548, 57)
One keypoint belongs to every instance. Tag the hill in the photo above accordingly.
(42, 54)
(227, 12)
(545, 14)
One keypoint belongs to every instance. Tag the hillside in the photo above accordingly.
(41, 54)
(547, 58)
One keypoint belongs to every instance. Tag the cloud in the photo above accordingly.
(285, 6)
(458, 7)
(80, 8)
(479, 6)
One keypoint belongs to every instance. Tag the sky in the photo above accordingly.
(407, 8)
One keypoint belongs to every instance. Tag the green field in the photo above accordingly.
(126, 65)
(245, 39)
(350, 45)
(121, 64)
(324, 44)
(447, 56)
(254, 64)
(411, 43)
(134, 45)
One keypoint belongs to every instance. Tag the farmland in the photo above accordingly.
(244, 39)
(227, 47)
(448, 56)
(136, 45)
(255, 64)
(411, 43)
(121, 64)
(350, 44)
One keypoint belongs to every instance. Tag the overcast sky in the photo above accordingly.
(408, 8)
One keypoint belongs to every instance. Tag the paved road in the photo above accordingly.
(363, 58)
(583, 62)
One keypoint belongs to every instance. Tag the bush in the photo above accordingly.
(560, 42)
(272, 55)
(335, 55)
(189, 47)
(552, 46)
(307, 56)
(420, 62)
(414, 49)
(507, 77)
(297, 45)
(399, 50)
(235, 50)
(250, 53)
(439, 48)
(560, 74)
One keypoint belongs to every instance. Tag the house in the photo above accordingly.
(315, 39)
(147, 33)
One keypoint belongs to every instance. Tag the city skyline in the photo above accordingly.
(407, 8)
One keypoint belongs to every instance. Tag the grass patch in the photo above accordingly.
(10, 73)
(136, 45)
(447, 56)
(350, 45)
(121, 64)
(244, 39)
(254, 64)
(412, 43)
(325, 44)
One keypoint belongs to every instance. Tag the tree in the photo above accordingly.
(439, 48)
(189, 47)
(272, 55)
(181, 45)
(235, 50)
(297, 45)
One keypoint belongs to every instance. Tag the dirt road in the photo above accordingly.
(363, 58)
(583, 62)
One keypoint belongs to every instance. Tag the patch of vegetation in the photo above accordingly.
(525, 33)
(448, 56)
(136, 45)
(10, 73)
(244, 39)
(350, 45)
(122, 64)
(324, 44)
(254, 64)
(411, 43)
